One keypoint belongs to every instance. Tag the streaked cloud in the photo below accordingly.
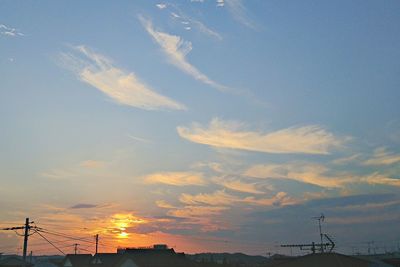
(238, 11)
(83, 206)
(382, 157)
(218, 198)
(176, 49)
(9, 31)
(310, 139)
(367, 206)
(123, 87)
(197, 211)
(221, 198)
(347, 160)
(189, 22)
(161, 5)
(238, 185)
(315, 174)
(279, 199)
(139, 139)
(175, 178)
(379, 179)
(164, 205)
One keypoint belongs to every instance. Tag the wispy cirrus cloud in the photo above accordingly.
(382, 157)
(221, 198)
(379, 179)
(123, 87)
(238, 11)
(318, 175)
(176, 49)
(189, 22)
(164, 205)
(310, 139)
(161, 5)
(175, 178)
(347, 160)
(83, 206)
(9, 31)
(218, 198)
(139, 139)
(315, 174)
(197, 211)
(238, 185)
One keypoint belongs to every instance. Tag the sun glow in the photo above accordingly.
(123, 222)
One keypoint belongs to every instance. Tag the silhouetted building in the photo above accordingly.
(325, 260)
(76, 260)
(156, 256)
(13, 262)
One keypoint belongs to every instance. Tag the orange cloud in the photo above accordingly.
(382, 157)
(219, 197)
(197, 211)
(237, 185)
(304, 172)
(311, 139)
(163, 204)
(175, 178)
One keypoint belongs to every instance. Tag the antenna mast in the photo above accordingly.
(320, 219)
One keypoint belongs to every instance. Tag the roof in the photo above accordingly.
(140, 258)
(323, 260)
(152, 251)
(76, 260)
(13, 261)
(161, 260)
(106, 259)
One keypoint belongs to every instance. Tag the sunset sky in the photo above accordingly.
(208, 125)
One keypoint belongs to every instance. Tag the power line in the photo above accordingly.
(50, 242)
(64, 235)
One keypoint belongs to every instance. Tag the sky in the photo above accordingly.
(208, 125)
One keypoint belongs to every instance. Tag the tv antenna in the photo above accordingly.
(315, 247)
(320, 219)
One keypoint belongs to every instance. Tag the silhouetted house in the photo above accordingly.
(395, 262)
(325, 260)
(158, 249)
(105, 259)
(13, 262)
(76, 260)
(47, 263)
(156, 256)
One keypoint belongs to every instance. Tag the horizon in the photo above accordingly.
(207, 125)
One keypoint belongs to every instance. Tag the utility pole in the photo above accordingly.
(26, 229)
(76, 248)
(25, 240)
(97, 242)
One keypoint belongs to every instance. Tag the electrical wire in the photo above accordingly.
(86, 250)
(50, 242)
(68, 236)
(64, 235)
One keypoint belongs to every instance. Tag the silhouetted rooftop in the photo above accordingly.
(322, 260)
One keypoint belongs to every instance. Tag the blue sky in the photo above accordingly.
(208, 125)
